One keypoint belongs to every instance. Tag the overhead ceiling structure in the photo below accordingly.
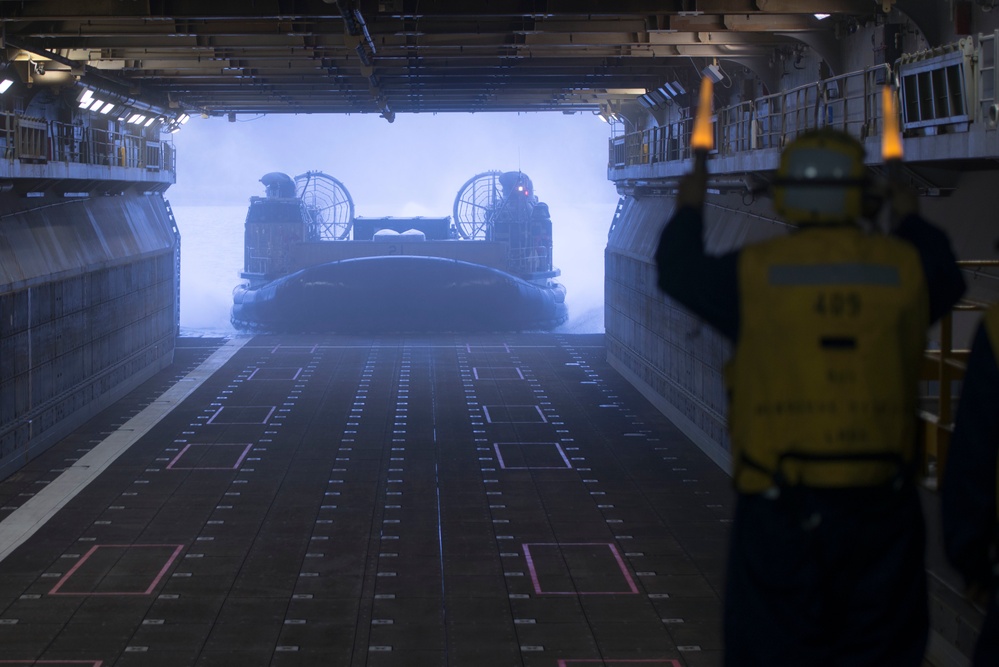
(220, 57)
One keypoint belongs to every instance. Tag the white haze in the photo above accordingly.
(414, 166)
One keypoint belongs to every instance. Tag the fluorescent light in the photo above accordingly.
(97, 104)
(647, 101)
(822, 17)
(5, 84)
(150, 121)
(626, 91)
(659, 96)
(107, 107)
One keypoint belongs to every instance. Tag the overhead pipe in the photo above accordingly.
(355, 26)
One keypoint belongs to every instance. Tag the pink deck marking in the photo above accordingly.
(239, 461)
(610, 662)
(632, 588)
(177, 548)
(506, 347)
(475, 372)
(312, 350)
(219, 411)
(503, 466)
(489, 419)
(90, 663)
(294, 375)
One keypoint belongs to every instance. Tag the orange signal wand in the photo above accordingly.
(891, 137)
(891, 153)
(703, 138)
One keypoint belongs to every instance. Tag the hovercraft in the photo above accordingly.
(310, 265)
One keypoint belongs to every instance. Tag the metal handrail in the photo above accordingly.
(945, 366)
(850, 102)
(43, 141)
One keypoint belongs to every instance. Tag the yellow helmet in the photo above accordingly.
(821, 179)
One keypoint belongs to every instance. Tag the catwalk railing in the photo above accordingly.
(942, 90)
(850, 102)
(35, 140)
(942, 370)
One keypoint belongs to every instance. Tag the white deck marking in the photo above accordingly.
(22, 523)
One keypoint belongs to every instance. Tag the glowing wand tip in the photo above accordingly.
(703, 138)
(891, 137)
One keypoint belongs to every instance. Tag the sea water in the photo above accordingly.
(211, 258)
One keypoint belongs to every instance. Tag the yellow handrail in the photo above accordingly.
(945, 366)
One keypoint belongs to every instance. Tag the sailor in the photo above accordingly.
(828, 325)
(969, 497)
(278, 185)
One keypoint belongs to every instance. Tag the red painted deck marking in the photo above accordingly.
(610, 662)
(239, 460)
(233, 408)
(508, 414)
(497, 373)
(502, 462)
(291, 372)
(177, 548)
(632, 589)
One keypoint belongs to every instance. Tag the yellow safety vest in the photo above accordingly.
(991, 323)
(824, 377)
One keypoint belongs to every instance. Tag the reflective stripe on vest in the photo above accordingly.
(824, 377)
(991, 323)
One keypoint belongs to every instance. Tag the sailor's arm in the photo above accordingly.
(943, 277)
(705, 284)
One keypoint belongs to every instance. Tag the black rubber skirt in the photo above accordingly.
(399, 293)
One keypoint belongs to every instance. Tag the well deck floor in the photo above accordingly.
(491, 500)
